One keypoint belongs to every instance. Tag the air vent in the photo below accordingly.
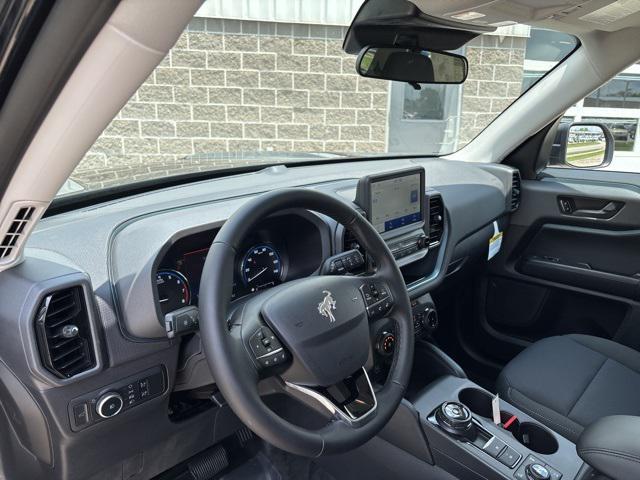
(515, 191)
(64, 334)
(436, 220)
(15, 228)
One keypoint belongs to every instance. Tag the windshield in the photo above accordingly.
(241, 89)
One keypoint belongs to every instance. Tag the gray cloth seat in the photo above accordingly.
(568, 382)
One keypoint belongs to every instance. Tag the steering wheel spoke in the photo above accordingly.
(352, 400)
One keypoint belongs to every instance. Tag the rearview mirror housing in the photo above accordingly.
(582, 145)
(414, 66)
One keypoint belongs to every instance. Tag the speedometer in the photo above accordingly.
(173, 290)
(261, 267)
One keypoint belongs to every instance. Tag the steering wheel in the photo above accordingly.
(310, 335)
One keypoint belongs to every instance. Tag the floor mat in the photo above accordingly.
(271, 463)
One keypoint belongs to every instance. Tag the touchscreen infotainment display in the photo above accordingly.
(395, 202)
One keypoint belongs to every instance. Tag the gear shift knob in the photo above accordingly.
(456, 419)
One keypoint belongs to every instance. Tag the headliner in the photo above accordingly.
(571, 16)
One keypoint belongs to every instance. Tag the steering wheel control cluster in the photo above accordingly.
(266, 348)
(378, 299)
(113, 400)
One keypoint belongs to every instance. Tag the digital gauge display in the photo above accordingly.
(261, 267)
(173, 290)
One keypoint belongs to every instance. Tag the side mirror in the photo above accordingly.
(412, 66)
(582, 145)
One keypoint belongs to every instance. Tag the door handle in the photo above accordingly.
(609, 210)
(567, 206)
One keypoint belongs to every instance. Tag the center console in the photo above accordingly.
(456, 417)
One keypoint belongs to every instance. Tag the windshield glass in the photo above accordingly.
(243, 88)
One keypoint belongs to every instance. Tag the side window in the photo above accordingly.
(609, 115)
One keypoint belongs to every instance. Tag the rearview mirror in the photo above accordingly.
(412, 66)
(582, 145)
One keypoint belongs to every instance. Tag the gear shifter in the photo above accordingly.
(455, 418)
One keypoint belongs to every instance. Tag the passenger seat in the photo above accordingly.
(568, 382)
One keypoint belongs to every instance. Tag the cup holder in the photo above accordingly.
(531, 435)
(509, 425)
(476, 400)
(536, 438)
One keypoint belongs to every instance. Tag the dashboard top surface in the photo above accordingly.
(120, 239)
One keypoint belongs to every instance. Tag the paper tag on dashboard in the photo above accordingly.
(495, 408)
(495, 242)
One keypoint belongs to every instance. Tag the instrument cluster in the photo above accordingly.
(284, 248)
(260, 266)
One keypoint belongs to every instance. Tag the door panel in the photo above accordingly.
(570, 263)
(533, 312)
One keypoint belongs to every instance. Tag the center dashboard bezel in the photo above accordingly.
(364, 198)
(404, 242)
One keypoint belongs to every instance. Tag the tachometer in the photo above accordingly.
(173, 290)
(261, 267)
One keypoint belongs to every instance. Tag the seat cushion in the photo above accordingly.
(568, 382)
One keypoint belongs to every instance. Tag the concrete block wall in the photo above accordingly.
(241, 87)
(231, 88)
(496, 67)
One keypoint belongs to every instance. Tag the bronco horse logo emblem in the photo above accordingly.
(326, 306)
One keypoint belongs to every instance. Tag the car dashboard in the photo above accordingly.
(123, 266)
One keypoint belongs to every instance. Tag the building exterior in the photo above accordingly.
(271, 76)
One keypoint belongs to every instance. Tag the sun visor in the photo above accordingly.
(402, 23)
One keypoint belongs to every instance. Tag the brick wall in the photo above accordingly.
(242, 87)
(494, 82)
(230, 88)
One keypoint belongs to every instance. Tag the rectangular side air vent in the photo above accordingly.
(64, 334)
(436, 220)
(515, 191)
(15, 228)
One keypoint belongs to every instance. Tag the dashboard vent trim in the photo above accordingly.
(436, 220)
(516, 191)
(63, 333)
(15, 229)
